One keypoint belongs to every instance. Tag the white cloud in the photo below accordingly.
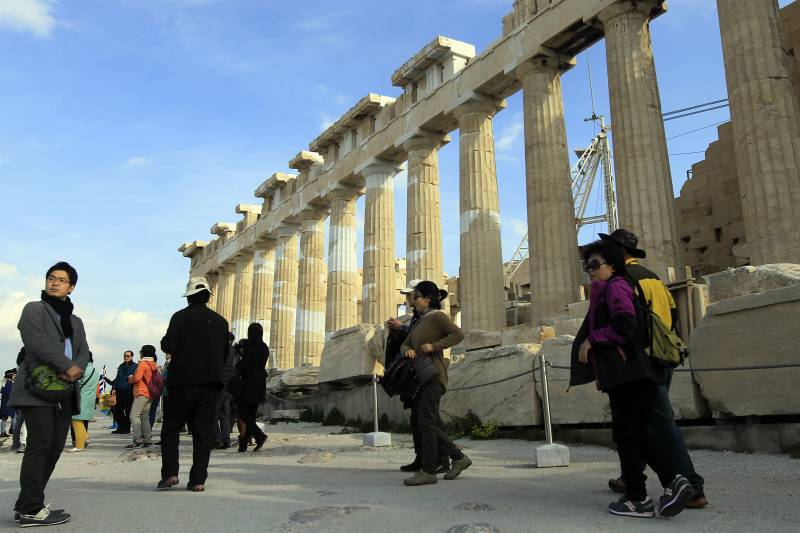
(27, 15)
(510, 135)
(8, 271)
(137, 161)
(109, 331)
(518, 226)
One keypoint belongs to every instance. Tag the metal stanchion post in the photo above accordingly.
(548, 454)
(376, 438)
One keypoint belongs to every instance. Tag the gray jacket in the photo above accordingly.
(40, 328)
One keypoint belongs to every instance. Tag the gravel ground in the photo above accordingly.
(308, 479)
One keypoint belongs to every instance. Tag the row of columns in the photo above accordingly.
(305, 310)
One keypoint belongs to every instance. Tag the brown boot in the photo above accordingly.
(420, 478)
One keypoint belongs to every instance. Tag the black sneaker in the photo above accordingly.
(17, 514)
(133, 445)
(676, 497)
(627, 507)
(167, 483)
(415, 466)
(43, 518)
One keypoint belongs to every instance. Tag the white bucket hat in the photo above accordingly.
(196, 285)
(411, 286)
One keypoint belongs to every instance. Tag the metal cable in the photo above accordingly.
(713, 369)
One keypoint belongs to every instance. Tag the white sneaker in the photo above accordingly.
(75, 450)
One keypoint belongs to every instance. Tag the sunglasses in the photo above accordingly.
(593, 265)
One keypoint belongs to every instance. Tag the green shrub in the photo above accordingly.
(462, 426)
(487, 431)
(334, 418)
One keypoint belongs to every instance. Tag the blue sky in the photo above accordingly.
(131, 126)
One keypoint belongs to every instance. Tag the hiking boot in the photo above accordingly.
(43, 518)
(443, 468)
(414, 466)
(697, 500)
(459, 465)
(627, 507)
(167, 483)
(676, 496)
(17, 514)
(617, 485)
(420, 478)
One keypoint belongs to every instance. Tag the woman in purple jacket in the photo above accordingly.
(610, 349)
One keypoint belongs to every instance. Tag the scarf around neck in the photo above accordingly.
(64, 309)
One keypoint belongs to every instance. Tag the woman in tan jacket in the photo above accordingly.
(432, 333)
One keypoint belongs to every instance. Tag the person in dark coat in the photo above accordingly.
(124, 393)
(610, 349)
(253, 371)
(197, 340)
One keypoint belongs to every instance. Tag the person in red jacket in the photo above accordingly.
(140, 412)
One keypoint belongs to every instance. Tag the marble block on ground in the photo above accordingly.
(350, 353)
(550, 455)
(376, 439)
(755, 329)
(578, 405)
(510, 403)
(751, 280)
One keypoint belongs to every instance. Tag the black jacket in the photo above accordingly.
(252, 369)
(197, 338)
(606, 365)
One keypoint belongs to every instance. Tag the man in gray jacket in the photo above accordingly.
(53, 336)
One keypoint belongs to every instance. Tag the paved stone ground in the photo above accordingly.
(306, 479)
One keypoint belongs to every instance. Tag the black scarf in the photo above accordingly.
(64, 309)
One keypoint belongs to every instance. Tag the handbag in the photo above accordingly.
(424, 369)
(44, 383)
(234, 385)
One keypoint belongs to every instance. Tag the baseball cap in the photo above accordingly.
(196, 285)
(411, 286)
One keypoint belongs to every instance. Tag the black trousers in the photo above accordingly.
(194, 405)
(124, 403)
(633, 410)
(444, 459)
(433, 439)
(47, 432)
(248, 412)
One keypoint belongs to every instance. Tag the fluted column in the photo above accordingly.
(227, 280)
(379, 279)
(284, 298)
(242, 295)
(552, 237)
(481, 291)
(423, 218)
(213, 284)
(766, 127)
(645, 197)
(342, 299)
(263, 280)
(311, 292)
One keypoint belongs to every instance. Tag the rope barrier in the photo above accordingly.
(316, 399)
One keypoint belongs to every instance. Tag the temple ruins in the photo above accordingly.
(741, 208)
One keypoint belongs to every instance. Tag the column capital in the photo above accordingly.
(286, 230)
(422, 140)
(477, 104)
(343, 193)
(311, 222)
(546, 61)
(646, 9)
(376, 166)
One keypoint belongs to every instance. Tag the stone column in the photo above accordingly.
(766, 128)
(423, 219)
(284, 298)
(379, 278)
(311, 289)
(645, 197)
(263, 280)
(552, 237)
(342, 299)
(213, 284)
(227, 280)
(481, 291)
(242, 294)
